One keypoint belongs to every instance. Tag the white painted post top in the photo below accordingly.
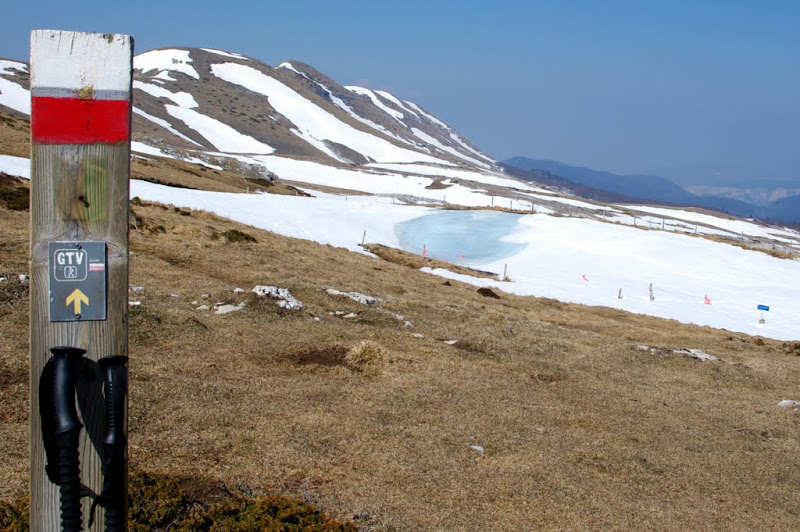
(98, 61)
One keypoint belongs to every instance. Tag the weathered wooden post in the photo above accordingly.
(80, 167)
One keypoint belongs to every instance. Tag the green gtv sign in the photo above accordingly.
(77, 281)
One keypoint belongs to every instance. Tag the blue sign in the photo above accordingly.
(763, 307)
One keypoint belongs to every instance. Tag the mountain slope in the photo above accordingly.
(206, 99)
(293, 109)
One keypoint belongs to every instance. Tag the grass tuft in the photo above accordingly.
(366, 356)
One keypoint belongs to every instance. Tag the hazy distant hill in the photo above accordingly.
(639, 187)
(786, 209)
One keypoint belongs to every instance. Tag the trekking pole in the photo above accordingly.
(61, 429)
(114, 495)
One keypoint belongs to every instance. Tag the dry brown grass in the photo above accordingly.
(367, 356)
(763, 248)
(15, 134)
(536, 415)
(182, 174)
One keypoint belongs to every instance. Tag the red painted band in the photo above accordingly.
(75, 121)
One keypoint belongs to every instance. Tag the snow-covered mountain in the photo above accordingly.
(219, 109)
(201, 98)
(291, 109)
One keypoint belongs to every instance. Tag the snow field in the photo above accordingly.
(17, 166)
(15, 96)
(165, 61)
(577, 260)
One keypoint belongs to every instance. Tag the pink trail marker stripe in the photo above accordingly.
(78, 121)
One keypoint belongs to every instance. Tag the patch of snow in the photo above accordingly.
(6, 67)
(397, 115)
(17, 166)
(222, 136)
(569, 201)
(163, 76)
(313, 123)
(386, 183)
(470, 148)
(141, 147)
(165, 61)
(225, 54)
(735, 226)
(338, 102)
(15, 96)
(487, 178)
(428, 115)
(443, 147)
(184, 99)
(392, 98)
(163, 123)
(288, 66)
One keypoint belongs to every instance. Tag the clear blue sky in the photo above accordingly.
(697, 91)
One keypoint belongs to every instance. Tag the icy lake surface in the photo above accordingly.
(462, 237)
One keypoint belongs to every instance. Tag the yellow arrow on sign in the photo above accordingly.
(77, 297)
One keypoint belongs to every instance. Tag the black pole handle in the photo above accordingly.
(61, 429)
(115, 464)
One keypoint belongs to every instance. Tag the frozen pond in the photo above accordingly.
(461, 237)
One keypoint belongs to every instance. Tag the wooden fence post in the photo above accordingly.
(80, 168)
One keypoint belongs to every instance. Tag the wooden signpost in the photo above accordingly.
(80, 168)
